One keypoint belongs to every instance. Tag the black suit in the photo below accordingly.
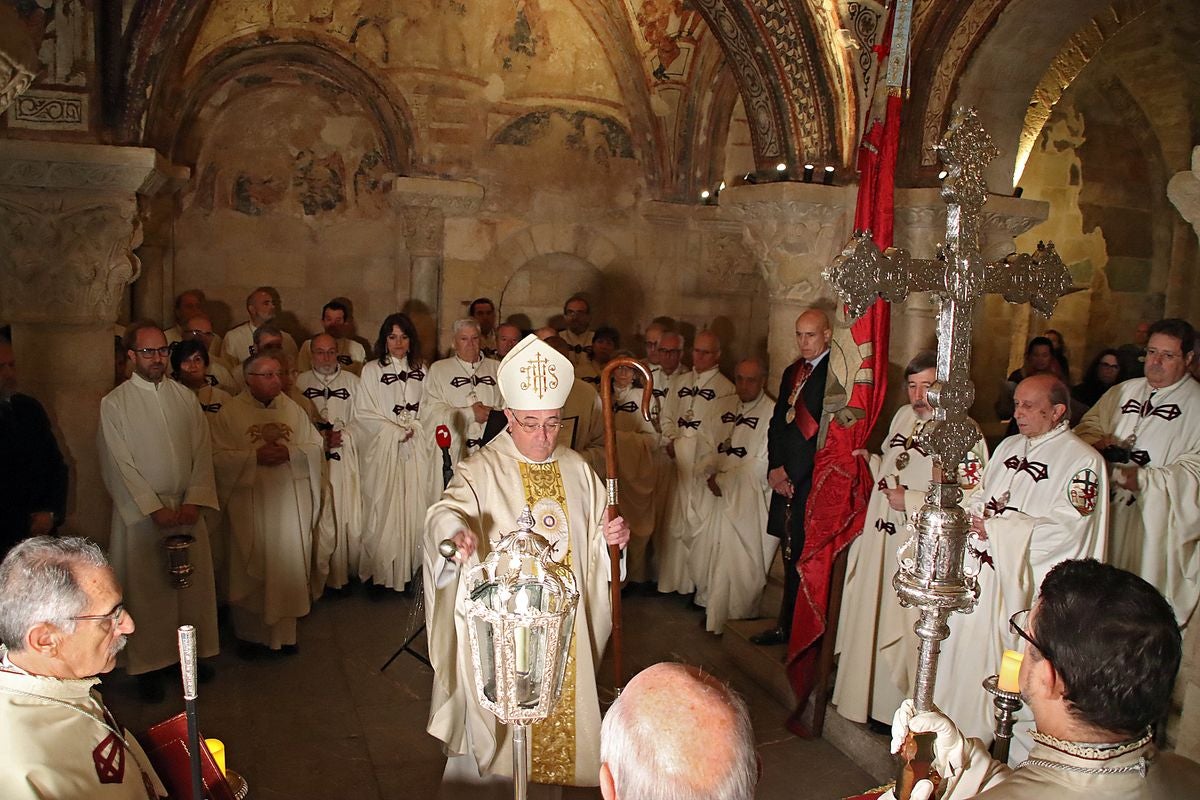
(787, 447)
(33, 476)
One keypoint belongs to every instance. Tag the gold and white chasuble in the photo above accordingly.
(486, 495)
(875, 633)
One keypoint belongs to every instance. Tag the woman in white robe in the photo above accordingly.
(396, 456)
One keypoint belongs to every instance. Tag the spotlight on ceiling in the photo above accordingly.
(828, 179)
(705, 195)
(781, 171)
(808, 173)
(942, 175)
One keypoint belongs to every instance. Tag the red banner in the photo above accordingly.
(842, 483)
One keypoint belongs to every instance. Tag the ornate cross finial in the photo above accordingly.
(958, 276)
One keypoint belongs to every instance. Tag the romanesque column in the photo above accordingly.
(68, 226)
(423, 205)
(794, 230)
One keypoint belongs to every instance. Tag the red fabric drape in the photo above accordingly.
(842, 483)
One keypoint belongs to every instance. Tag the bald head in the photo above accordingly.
(1039, 403)
(678, 733)
(545, 332)
(813, 333)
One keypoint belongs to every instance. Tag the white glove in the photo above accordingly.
(949, 745)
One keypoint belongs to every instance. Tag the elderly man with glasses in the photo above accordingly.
(1102, 651)
(526, 466)
(156, 461)
(1148, 429)
(1043, 500)
(62, 623)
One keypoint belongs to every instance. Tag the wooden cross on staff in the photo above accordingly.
(931, 577)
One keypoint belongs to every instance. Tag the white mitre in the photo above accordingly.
(535, 377)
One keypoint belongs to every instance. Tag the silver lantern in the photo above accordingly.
(520, 618)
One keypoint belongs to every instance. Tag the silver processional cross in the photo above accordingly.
(933, 579)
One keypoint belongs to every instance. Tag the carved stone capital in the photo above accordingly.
(68, 226)
(921, 222)
(453, 198)
(794, 230)
(1184, 191)
(424, 230)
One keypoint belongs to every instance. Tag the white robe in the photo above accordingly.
(580, 344)
(734, 534)
(691, 417)
(451, 388)
(270, 511)
(1156, 530)
(156, 452)
(637, 476)
(240, 339)
(664, 467)
(56, 742)
(583, 424)
(338, 539)
(1055, 510)
(875, 633)
(351, 355)
(397, 461)
(486, 496)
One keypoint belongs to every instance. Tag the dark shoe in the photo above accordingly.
(769, 637)
(151, 687)
(879, 728)
(290, 649)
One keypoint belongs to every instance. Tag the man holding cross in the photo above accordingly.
(525, 466)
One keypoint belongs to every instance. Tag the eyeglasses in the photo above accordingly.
(575, 312)
(1107, 365)
(1152, 352)
(205, 334)
(148, 352)
(1018, 623)
(670, 349)
(116, 616)
(550, 427)
(266, 374)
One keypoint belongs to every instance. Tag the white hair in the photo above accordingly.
(642, 769)
(38, 584)
(468, 322)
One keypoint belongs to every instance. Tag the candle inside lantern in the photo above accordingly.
(217, 748)
(1010, 670)
(521, 635)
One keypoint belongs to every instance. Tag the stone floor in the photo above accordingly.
(326, 723)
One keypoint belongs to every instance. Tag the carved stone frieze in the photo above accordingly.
(453, 198)
(423, 230)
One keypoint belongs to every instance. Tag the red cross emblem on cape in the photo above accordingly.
(970, 471)
(1082, 491)
(109, 759)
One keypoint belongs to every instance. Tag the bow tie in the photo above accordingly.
(474, 443)
(660, 392)
(1167, 411)
(907, 442)
(388, 378)
(887, 527)
(628, 405)
(707, 394)
(738, 419)
(1036, 469)
(211, 408)
(740, 452)
(345, 361)
(694, 424)
(486, 380)
(402, 407)
(211, 380)
(592, 379)
(580, 348)
(313, 393)
(333, 456)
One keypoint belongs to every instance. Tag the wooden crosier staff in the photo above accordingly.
(610, 482)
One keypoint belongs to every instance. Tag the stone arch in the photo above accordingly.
(246, 63)
(543, 265)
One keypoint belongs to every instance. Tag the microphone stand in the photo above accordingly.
(187, 665)
(418, 588)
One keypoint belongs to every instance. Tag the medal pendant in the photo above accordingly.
(688, 416)
(728, 443)
(902, 461)
(791, 415)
